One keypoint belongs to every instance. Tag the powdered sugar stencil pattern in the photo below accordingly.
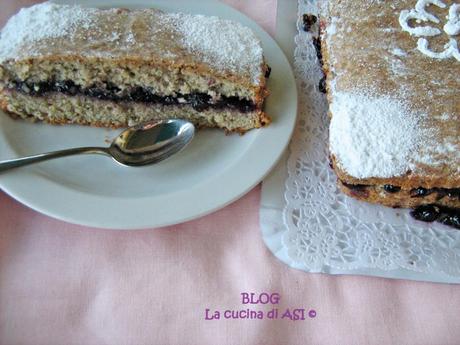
(421, 15)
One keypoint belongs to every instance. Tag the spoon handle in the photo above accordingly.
(19, 162)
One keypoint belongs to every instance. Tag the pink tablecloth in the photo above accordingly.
(65, 284)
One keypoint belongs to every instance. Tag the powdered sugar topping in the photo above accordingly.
(223, 45)
(42, 21)
(398, 52)
(452, 27)
(366, 134)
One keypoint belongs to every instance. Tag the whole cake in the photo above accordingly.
(117, 67)
(393, 84)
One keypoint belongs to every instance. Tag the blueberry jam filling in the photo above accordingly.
(426, 213)
(331, 165)
(391, 189)
(355, 186)
(451, 193)
(317, 44)
(420, 192)
(430, 213)
(450, 219)
(110, 92)
(308, 20)
(322, 85)
(66, 87)
(359, 190)
(441, 192)
(268, 72)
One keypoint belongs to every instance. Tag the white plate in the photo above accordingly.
(212, 172)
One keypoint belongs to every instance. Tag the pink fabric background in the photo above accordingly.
(65, 284)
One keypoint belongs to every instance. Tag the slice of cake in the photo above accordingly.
(393, 83)
(117, 67)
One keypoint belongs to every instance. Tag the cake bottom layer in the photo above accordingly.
(57, 108)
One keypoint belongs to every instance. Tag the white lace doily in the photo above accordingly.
(327, 230)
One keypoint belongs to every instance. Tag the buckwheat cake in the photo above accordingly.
(117, 67)
(393, 82)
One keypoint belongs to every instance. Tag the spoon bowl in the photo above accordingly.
(151, 142)
(147, 143)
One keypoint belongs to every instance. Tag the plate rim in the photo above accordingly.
(13, 184)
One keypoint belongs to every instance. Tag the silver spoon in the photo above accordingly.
(147, 143)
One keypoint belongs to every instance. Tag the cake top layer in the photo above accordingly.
(48, 29)
(394, 81)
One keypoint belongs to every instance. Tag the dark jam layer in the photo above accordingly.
(441, 192)
(358, 190)
(419, 192)
(425, 213)
(430, 213)
(389, 188)
(308, 20)
(199, 101)
(317, 45)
